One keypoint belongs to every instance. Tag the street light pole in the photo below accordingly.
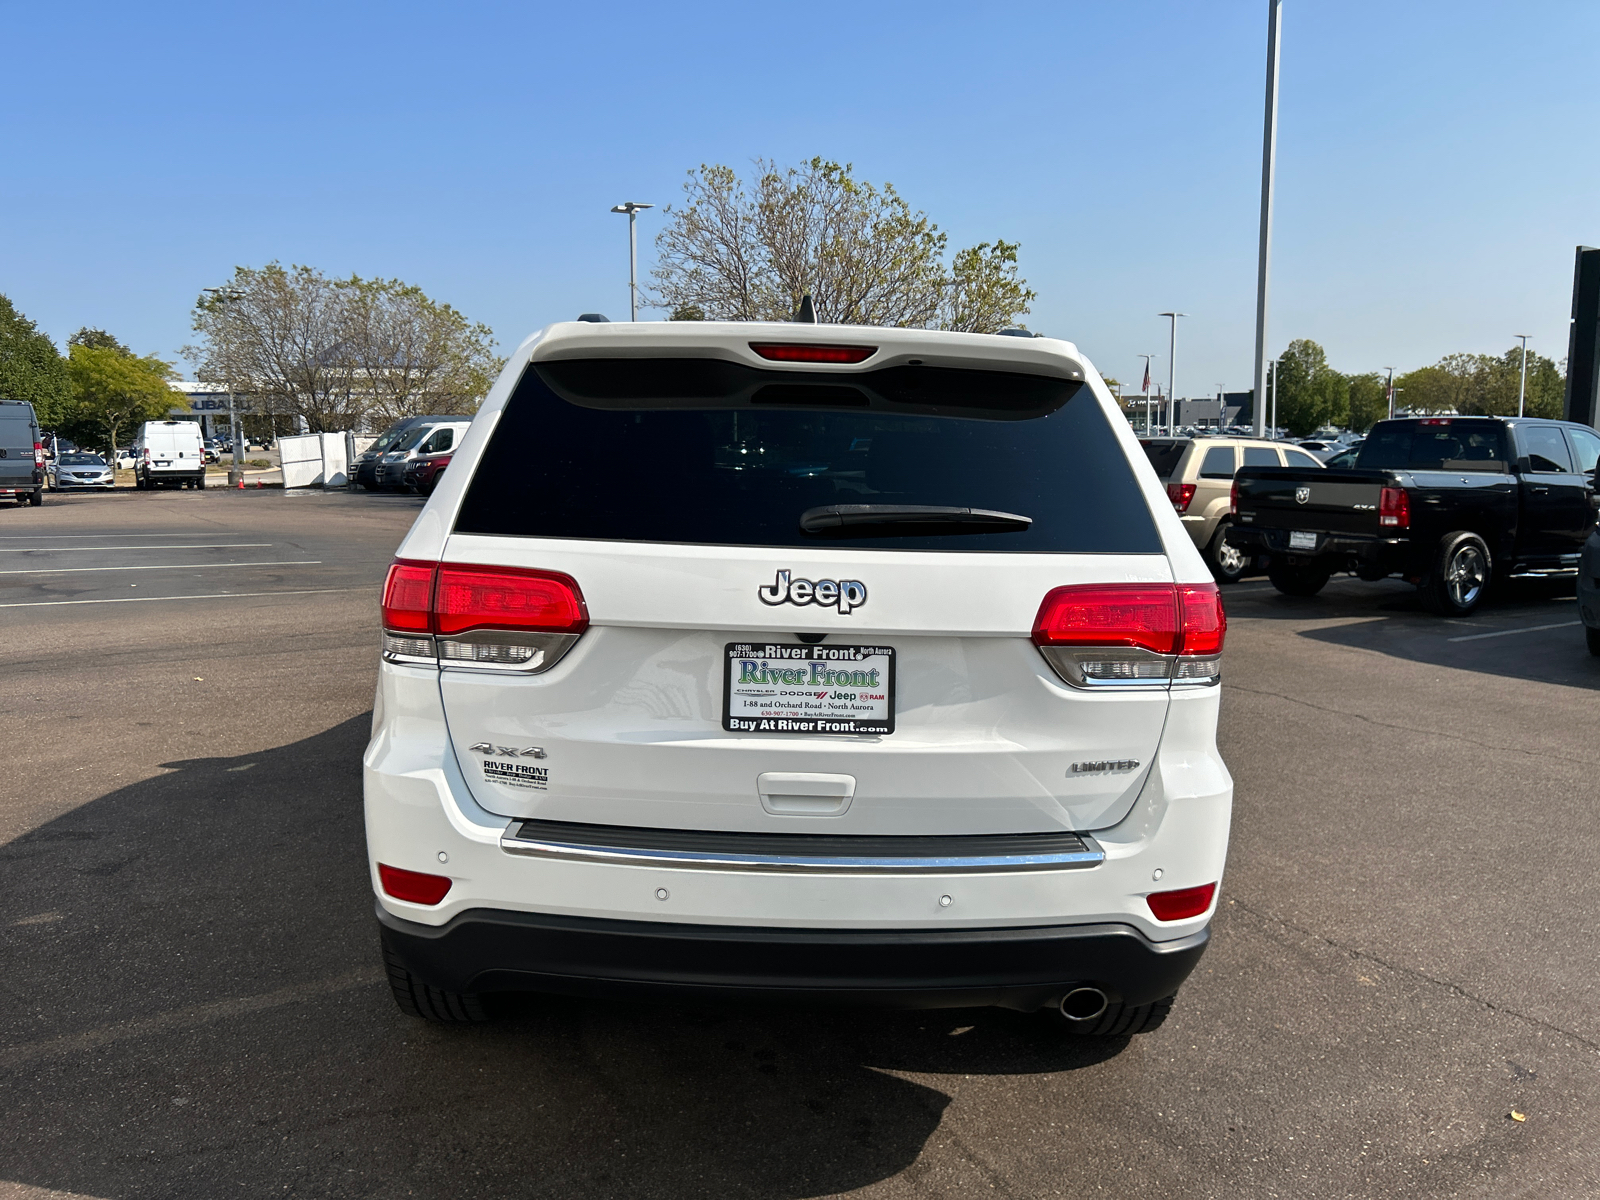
(229, 296)
(633, 208)
(1274, 399)
(1388, 391)
(1522, 388)
(1269, 152)
(1172, 367)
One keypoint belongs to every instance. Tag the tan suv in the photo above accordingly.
(1199, 473)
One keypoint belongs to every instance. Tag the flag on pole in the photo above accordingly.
(1146, 388)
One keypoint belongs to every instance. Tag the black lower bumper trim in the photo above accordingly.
(489, 950)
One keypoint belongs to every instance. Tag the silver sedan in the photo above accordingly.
(78, 470)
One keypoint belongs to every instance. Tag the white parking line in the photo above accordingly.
(212, 596)
(1473, 637)
(196, 546)
(290, 562)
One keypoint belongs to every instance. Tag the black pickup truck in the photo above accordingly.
(1448, 503)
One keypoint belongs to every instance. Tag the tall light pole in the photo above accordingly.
(633, 208)
(1522, 388)
(1269, 153)
(1275, 399)
(1147, 360)
(1388, 391)
(1172, 367)
(229, 296)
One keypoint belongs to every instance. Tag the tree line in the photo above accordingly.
(1312, 394)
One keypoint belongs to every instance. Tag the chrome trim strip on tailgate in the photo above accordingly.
(800, 852)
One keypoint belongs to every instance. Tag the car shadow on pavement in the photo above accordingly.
(1524, 629)
(194, 1006)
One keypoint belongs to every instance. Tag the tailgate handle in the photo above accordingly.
(805, 793)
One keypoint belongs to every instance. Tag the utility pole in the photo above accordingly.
(1388, 391)
(1522, 388)
(1172, 368)
(230, 296)
(1274, 399)
(633, 208)
(1269, 152)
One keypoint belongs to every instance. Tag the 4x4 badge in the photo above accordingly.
(846, 594)
(508, 751)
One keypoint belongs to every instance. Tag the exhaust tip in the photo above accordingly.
(1083, 1004)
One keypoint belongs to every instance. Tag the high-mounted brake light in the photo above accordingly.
(414, 887)
(469, 615)
(1394, 508)
(1180, 494)
(1181, 904)
(1146, 634)
(812, 353)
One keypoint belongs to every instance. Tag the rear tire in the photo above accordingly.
(417, 999)
(35, 498)
(1123, 1020)
(201, 483)
(1303, 579)
(1228, 563)
(1459, 577)
(1592, 636)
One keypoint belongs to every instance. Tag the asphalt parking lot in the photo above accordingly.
(193, 1006)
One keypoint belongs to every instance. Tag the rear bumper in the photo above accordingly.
(489, 950)
(1375, 554)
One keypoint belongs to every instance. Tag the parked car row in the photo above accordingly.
(410, 455)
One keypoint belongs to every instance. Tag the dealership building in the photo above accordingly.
(206, 403)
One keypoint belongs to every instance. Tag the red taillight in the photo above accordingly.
(1182, 904)
(506, 598)
(1180, 494)
(408, 597)
(1203, 620)
(1233, 498)
(38, 454)
(1394, 508)
(786, 352)
(1163, 618)
(414, 887)
(1144, 615)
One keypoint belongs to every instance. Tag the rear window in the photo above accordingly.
(703, 451)
(1165, 456)
(1434, 445)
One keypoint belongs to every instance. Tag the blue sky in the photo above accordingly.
(1436, 160)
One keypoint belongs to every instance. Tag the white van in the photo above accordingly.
(841, 663)
(169, 453)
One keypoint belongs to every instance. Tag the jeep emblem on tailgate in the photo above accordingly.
(845, 593)
(1302, 494)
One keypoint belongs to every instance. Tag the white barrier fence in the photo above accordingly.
(315, 460)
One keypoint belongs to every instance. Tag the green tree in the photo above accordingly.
(1368, 401)
(748, 251)
(1311, 394)
(1450, 385)
(114, 392)
(31, 369)
(97, 339)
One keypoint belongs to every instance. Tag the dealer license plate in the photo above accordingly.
(782, 687)
(1302, 541)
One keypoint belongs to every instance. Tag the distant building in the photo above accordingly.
(206, 403)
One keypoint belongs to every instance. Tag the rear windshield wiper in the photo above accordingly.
(907, 520)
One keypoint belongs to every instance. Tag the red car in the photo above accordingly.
(422, 474)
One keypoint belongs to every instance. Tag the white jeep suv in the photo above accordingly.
(836, 663)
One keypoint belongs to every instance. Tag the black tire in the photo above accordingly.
(35, 498)
(417, 999)
(1592, 636)
(1299, 579)
(1123, 1020)
(1228, 563)
(1459, 578)
(201, 483)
